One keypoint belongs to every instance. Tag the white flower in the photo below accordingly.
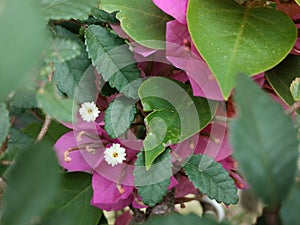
(89, 111)
(115, 154)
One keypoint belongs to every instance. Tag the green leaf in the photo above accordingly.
(265, 143)
(249, 40)
(55, 105)
(141, 20)
(281, 77)
(67, 9)
(17, 142)
(33, 181)
(61, 50)
(153, 184)
(176, 114)
(119, 115)
(113, 59)
(22, 44)
(25, 97)
(104, 16)
(298, 2)
(295, 89)
(211, 179)
(289, 211)
(72, 202)
(178, 219)
(68, 74)
(4, 122)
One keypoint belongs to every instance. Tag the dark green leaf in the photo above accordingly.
(55, 105)
(119, 115)
(21, 43)
(290, 208)
(141, 20)
(72, 202)
(4, 122)
(282, 76)
(68, 74)
(32, 184)
(67, 9)
(61, 50)
(177, 114)
(178, 219)
(104, 16)
(153, 184)
(113, 60)
(265, 143)
(245, 40)
(211, 179)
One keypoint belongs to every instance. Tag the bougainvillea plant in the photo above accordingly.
(141, 106)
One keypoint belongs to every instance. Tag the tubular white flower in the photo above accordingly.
(89, 111)
(115, 154)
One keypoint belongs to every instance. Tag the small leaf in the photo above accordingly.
(281, 77)
(104, 16)
(25, 97)
(21, 43)
(265, 146)
(178, 219)
(176, 114)
(289, 211)
(119, 115)
(72, 202)
(68, 74)
(33, 181)
(211, 179)
(113, 60)
(141, 20)
(295, 89)
(61, 50)
(249, 40)
(153, 184)
(67, 9)
(55, 105)
(4, 122)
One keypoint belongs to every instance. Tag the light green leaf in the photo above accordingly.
(113, 59)
(211, 179)
(55, 105)
(178, 219)
(245, 40)
(4, 122)
(176, 114)
(68, 74)
(153, 184)
(295, 89)
(281, 77)
(61, 50)
(71, 205)
(33, 181)
(25, 97)
(289, 211)
(67, 9)
(298, 2)
(119, 115)
(21, 43)
(141, 20)
(265, 143)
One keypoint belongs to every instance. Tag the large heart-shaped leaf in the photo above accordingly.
(141, 20)
(233, 39)
(282, 76)
(265, 143)
(176, 114)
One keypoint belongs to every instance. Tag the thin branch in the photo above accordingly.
(293, 108)
(45, 128)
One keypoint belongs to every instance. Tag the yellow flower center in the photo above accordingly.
(90, 110)
(115, 154)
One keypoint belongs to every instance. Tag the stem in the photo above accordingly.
(293, 108)
(45, 128)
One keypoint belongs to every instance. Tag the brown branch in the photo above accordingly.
(44, 129)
